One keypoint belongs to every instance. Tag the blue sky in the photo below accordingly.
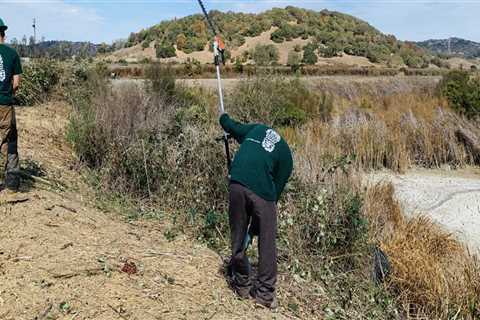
(107, 20)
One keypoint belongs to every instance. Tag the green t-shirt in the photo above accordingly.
(264, 161)
(10, 65)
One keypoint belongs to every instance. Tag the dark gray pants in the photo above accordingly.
(246, 206)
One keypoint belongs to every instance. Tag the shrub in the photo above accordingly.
(161, 81)
(265, 55)
(462, 92)
(278, 102)
(294, 60)
(165, 51)
(146, 44)
(38, 80)
(192, 67)
(287, 32)
(309, 54)
(238, 65)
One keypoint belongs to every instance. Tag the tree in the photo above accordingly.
(14, 42)
(103, 48)
(265, 55)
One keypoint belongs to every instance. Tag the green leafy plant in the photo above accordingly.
(462, 92)
(38, 80)
(265, 55)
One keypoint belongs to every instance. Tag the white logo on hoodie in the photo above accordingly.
(271, 139)
(3, 74)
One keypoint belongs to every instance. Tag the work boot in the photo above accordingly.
(243, 293)
(12, 181)
(272, 305)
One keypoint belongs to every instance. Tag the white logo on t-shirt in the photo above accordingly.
(271, 139)
(3, 74)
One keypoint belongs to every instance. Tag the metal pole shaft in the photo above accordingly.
(220, 91)
(222, 111)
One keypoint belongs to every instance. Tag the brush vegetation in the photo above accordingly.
(156, 144)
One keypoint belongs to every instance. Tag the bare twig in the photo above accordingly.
(87, 272)
(117, 312)
(67, 208)
(67, 245)
(14, 201)
(151, 254)
(17, 259)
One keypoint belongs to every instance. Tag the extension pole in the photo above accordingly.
(216, 50)
(220, 91)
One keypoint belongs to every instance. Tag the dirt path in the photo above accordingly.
(451, 198)
(61, 257)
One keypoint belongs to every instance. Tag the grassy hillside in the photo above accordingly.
(460, 47)
(326, 33)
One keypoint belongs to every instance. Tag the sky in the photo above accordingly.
(109, 20)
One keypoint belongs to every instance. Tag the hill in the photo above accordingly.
(452, 46)
(58, 49)
(306, 34)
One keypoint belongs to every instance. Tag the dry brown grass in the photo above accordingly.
(395, 133)
(434, 276)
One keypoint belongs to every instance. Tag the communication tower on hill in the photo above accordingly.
(34, 26)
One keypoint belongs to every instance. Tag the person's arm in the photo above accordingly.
(236, 129)
(282, 173)
(17, 71)
(16, 82)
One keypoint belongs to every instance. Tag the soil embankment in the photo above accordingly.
(61, 257)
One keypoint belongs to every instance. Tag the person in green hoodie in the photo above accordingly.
(10, 71)
(258, 175)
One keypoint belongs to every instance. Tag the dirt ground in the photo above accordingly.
(63, 258)
(450, 198)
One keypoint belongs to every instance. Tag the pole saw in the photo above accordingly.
(218, 52)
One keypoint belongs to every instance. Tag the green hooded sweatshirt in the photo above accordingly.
(10, 66)
(264, 161)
